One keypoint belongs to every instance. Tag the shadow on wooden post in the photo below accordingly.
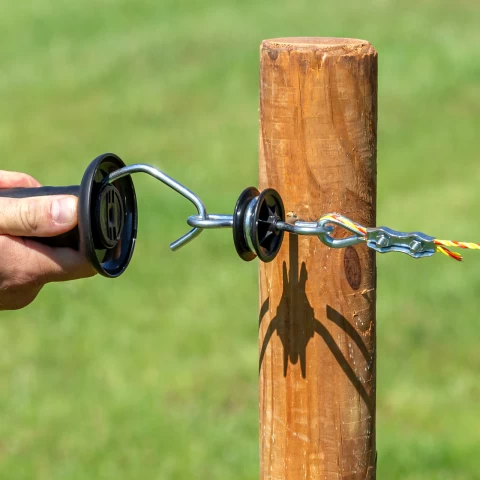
(295, 324)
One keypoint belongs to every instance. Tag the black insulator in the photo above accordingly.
(254, 224)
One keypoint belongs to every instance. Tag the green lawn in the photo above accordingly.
(154, 375)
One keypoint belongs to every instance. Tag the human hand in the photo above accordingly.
(25, 265)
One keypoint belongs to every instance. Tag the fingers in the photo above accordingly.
(48, 264)
(38, 216)
(26, 265)
(19, 297)
(16, 179)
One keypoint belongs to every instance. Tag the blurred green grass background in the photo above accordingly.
(154, 375)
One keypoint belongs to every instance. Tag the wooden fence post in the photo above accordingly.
(318, 130)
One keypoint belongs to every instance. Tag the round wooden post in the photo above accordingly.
(318, 129)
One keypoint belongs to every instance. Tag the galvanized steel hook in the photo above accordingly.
(332, 242)
(174, 185)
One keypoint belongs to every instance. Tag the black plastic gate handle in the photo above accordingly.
(107, 216)
(69, 239)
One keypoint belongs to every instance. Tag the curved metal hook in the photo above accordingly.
(174, 185)
(211, 221)
(332, 242)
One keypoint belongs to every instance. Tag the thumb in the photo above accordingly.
(38, 216)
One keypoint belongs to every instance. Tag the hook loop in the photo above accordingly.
(338, 220)
(174, 185)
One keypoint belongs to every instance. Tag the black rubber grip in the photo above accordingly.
(69, 239)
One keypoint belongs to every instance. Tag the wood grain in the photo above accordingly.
(318, 130)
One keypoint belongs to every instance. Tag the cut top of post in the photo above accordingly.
(325, 44)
